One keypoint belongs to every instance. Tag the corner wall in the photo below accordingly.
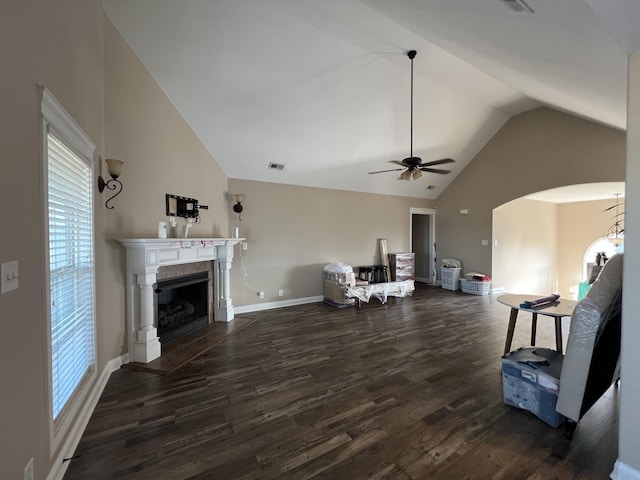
(629, 433)
(162, 155)
(536, 150)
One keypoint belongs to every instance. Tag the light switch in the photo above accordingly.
(9, 276)
(485, 243)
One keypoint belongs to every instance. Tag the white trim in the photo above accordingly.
(621, 471)
(283, 303)
(54, 118)
(73, 438)
(54, 113)
(497, 291)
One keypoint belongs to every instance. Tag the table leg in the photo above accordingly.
(559, 334)
(510, 329)
(534, 327)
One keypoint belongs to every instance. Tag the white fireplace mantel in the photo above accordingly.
(144, 257)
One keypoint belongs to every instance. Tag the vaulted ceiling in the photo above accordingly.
(323, 87)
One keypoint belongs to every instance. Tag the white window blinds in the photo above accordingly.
(71, 270)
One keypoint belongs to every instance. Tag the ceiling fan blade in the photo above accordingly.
(437, 162)
(434, 170)
(384, 171)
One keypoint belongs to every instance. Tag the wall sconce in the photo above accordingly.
(114, 167)
(238, 206)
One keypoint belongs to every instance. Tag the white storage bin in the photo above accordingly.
(450, 278)
(474, 287)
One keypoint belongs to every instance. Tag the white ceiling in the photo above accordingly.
(323, 87)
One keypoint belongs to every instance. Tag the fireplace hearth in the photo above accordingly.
(181, 305)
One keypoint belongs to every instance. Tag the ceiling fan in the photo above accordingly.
(414, 166)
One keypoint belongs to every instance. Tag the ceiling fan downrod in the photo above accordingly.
(411, 54)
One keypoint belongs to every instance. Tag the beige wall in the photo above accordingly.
(58, 45)
(292, 232)
(525, 258)
(534, 151)
(629, 433)
(580, 225)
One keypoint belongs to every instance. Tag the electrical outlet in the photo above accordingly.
(245, 245)
(28, 470)
(261, 294)
(280, 293)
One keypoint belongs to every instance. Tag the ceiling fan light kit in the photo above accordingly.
(413, 166)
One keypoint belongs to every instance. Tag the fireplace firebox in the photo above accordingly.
(182, 305)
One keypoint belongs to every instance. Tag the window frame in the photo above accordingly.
(56, 120)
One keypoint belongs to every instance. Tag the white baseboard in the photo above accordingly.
(271, 305)
(71, 443)
(423, 280)
(497, 291)
(621, 471)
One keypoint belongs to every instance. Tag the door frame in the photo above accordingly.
(431, 213)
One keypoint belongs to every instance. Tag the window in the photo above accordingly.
(70, 286)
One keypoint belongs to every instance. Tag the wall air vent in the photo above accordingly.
(519, 6)
(276, 166)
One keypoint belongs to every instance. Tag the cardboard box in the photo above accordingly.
(402, 266)
(531, 379)
(335, 294)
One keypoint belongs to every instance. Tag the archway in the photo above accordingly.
(539, 241)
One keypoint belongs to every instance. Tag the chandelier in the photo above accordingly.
(615, 234)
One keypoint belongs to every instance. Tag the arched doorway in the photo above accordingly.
(539, 241)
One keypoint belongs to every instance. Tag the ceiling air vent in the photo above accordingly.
(276, 166)
(519, 6)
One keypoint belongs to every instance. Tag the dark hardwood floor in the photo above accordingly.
(407, 390)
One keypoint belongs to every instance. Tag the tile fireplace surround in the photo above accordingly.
(144, 257)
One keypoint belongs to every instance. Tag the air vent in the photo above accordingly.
(431, 187)
(519, 6)
(276, 166)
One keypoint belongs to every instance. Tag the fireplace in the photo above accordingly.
(145, 258)
(182, 305)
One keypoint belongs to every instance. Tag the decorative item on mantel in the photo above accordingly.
(615, 234)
